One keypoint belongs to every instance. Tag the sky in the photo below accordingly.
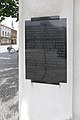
(8, 21)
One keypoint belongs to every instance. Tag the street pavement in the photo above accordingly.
(9, 86)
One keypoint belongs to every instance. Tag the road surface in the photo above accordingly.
(8, 86)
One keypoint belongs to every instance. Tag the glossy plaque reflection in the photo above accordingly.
(46, 50)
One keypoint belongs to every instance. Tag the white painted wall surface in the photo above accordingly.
(76, 90)
(41, 101)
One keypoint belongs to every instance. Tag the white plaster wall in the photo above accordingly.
(41, 101)
(76, 90)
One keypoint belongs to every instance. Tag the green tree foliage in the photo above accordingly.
(9, 8)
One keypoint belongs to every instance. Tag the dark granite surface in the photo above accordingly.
(46, 51)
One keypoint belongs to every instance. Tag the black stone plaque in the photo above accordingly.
(46, 50)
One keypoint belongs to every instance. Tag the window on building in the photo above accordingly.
(8, 34)
(3, 33)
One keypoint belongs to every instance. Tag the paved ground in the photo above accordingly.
(8, 86)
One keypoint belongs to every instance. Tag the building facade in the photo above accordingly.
(7, 36)
(13, 36)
